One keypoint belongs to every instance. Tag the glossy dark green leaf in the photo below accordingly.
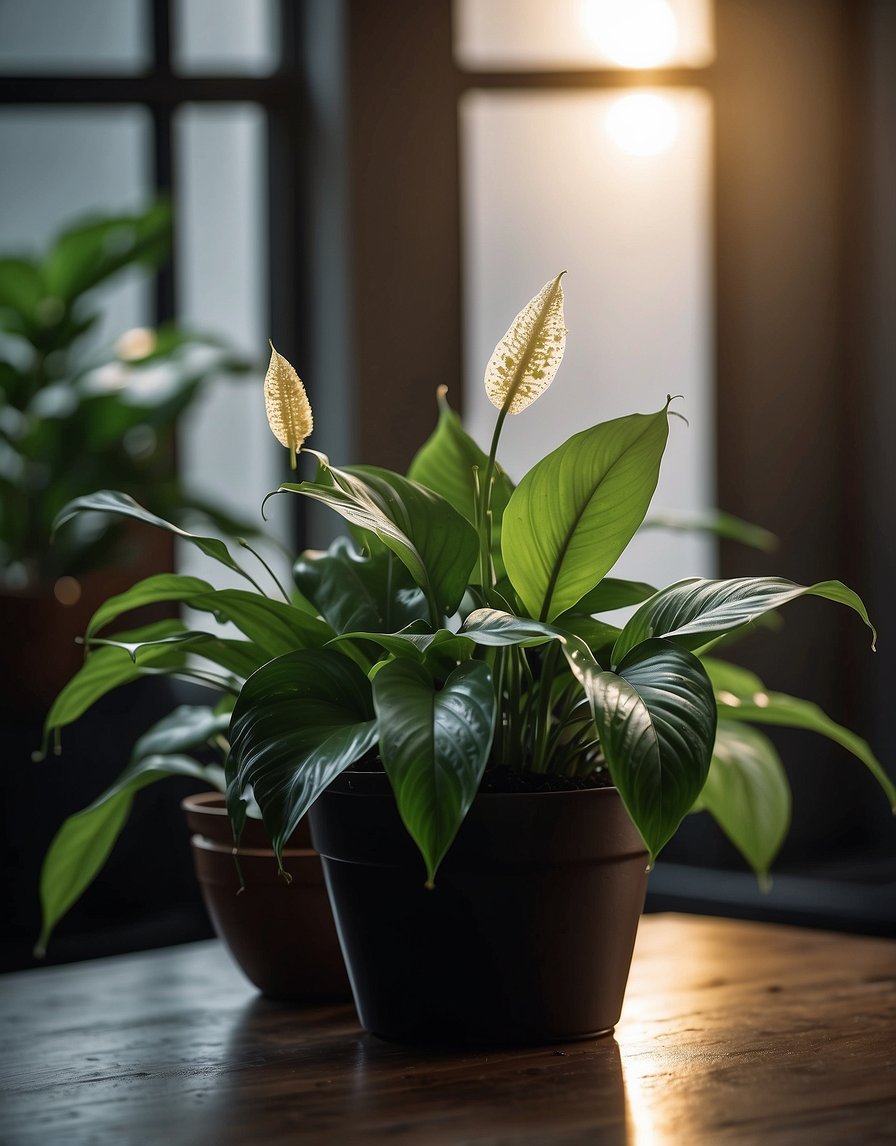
(497, 629)
(415, 642)
(359, 591)
(425, 532)
(434, 744)
(657, 721)
(82, 845)
(576, 510)
(696, 611)
(742, 696)
(452, 464)
(299, 721)
(747, 794)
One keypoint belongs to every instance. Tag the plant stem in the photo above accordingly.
(486, 572)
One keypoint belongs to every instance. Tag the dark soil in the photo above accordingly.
(506, 779)
(510, 780)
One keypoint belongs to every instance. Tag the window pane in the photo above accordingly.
(232, 36)
(633, 232)
(72, 36)
(582, 33)
(62, 164)
(227, 452)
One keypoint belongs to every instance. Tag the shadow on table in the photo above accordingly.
(315, 1073)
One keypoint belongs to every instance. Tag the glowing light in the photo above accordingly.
(67, 591)
(632, 33)
(137, 343)
(643, 123)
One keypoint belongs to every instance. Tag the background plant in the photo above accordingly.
(74, 417)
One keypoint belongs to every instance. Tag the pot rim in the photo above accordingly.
(200, 841)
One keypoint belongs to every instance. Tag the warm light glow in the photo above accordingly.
(67, 591)
(643, 123)
(632, 33)
(135, 344)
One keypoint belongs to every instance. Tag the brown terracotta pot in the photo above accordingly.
(282, 935)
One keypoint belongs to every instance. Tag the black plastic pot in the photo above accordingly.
(527, 936)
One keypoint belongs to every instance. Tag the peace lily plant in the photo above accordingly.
(460, 630)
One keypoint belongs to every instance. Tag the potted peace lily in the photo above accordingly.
(488, 765)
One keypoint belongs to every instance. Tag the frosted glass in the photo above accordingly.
(232, 36)
(547, 189)
(226, 449)
(582, 33)
(60, 164)
(73, 36)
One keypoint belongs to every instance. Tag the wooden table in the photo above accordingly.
(732, 1033)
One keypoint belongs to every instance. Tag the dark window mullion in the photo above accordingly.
(163, 153)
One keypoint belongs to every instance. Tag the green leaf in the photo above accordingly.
(451, 464)
(239, 657)
(434, 746)
(428, 535)
(83, 843)
(21, 290)
(273, 626)
(573, 514)
(120, 504)
(355, 591)
(414, 642)
(696, 611)
(94, 249)
(656, 719)
(495, 628)
(299, 721)
(613, 593)
(108, 668)
(742, 696)
(187, 727)
(150, 591)
(747, 794)
(716, 523)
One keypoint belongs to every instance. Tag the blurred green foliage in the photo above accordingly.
(74, 419)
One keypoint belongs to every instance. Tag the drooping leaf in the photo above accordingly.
(120, 504)
(299, 721)
(436, 544)
(695, 611)
(150, 591)
(524, 362)
(359, 591)
(451, 464)
(747, 794)
(656, 719)
(241, 658)
(434, 745)
(573, 514)
(83, 843)
(108, 668)
(287, 406)
(743, 697)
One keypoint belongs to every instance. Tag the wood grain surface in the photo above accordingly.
(732, 1032)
